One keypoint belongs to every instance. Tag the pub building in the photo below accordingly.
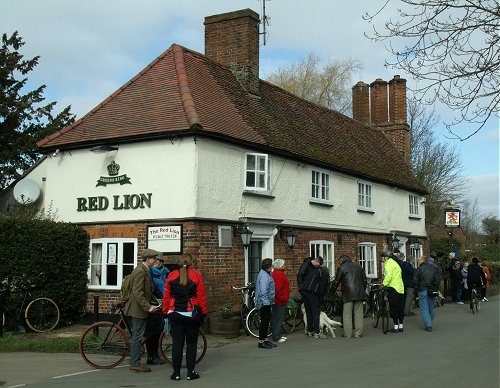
(197, 154)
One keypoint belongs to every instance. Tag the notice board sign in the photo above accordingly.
(166, 239)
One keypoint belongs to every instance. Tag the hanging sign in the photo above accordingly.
(452, 218)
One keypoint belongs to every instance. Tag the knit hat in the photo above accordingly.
(451, 255)
(278, 263)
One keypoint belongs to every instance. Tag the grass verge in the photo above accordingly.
(14, 342)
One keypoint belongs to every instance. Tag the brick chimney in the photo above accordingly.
(383, 105)
(233, 39)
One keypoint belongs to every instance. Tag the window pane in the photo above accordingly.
(262, 180)
(250, 162)
(250, 182)
(262, 163)
(95, 265)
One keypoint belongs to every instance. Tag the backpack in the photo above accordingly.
(126, 289)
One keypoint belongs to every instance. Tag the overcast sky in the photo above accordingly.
(90, 48)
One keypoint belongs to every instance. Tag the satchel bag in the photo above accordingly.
(196, 313)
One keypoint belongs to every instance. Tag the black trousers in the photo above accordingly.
(265, 317)
(311, 304)
(396, 305)
(183, 330)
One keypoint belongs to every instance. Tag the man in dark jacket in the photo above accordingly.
(476, 277)
(353, 279)
(426, 281)
(407, 272)
(313, 283)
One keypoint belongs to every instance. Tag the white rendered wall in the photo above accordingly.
(161, 168)
(221, 183)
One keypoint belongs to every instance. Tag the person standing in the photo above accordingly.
(155, 323)
(282, 294)
(139, 305)
(313, 283)
(354, 282)
(264, 299)
(487, 273)
(426, 281)
(455, 269)
(183, 290)
(395, 294)
(407, 274)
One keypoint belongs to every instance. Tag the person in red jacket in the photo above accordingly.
(282, 287)
(183, 290)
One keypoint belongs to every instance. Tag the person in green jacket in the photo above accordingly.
(395, 292)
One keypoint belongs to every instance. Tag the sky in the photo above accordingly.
(88, 49)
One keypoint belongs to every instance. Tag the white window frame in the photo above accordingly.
(368, 255)
(98, 271)
(415, 252)
(320, 185)
(413, 205)
(325, 249)
(265, 173)
(365, 190)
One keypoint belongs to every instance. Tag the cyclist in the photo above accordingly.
(475, 277)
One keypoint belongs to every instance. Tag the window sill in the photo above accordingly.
(320, 203)
(411, 217)
(262, 194)
(363, 210)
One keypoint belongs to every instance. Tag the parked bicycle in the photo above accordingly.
(104, 345)
(380, 306)
(247, 302)
(41, 314)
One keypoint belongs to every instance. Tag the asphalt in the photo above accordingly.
(461, 351)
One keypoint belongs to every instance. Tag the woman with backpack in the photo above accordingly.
(184, 293)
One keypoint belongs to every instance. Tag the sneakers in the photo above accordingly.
(309, 333)
(428, 329)
(485, 300)
(265, 345)
(460, 302)
(175, 377)
(155, 361)
(192, 376)
(319, 335)
(282, 339)
(270, 343)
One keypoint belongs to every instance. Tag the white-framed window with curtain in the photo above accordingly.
(368, 259)
(324, 249)
(320, 185)
(364, 195)
(110, 261)
(415, 253)
(257, 172)
(413, 204)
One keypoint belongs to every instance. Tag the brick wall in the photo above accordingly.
(222, 268)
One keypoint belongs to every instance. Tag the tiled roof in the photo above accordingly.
(185, 91)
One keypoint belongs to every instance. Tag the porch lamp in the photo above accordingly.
(291, 237)
(395, 242)
(245, 234)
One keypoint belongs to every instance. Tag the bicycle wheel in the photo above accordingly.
(375, 313)
(328, 308)
(366, 309)
(165, 348)
(243, 315)
(385, 316)
(42, 314)
(253, 322)
(103, 345)
(289, 319)
(477, 301)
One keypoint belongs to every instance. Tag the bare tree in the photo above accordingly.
(328, 85)
(452, 46)
(470, 221)
(437, 165)
(491, 227)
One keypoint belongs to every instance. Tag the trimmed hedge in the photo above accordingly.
(47, 254)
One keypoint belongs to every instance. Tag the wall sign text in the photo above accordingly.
(117, 202)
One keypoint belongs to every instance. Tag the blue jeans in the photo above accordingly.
(138, 328)
(458, 294)
(427, 308)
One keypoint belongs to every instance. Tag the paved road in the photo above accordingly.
(462, 351)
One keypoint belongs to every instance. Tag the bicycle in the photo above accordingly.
(104, 345)
(380, 307)
(475, 299)
(41, 314)
(247, 302)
